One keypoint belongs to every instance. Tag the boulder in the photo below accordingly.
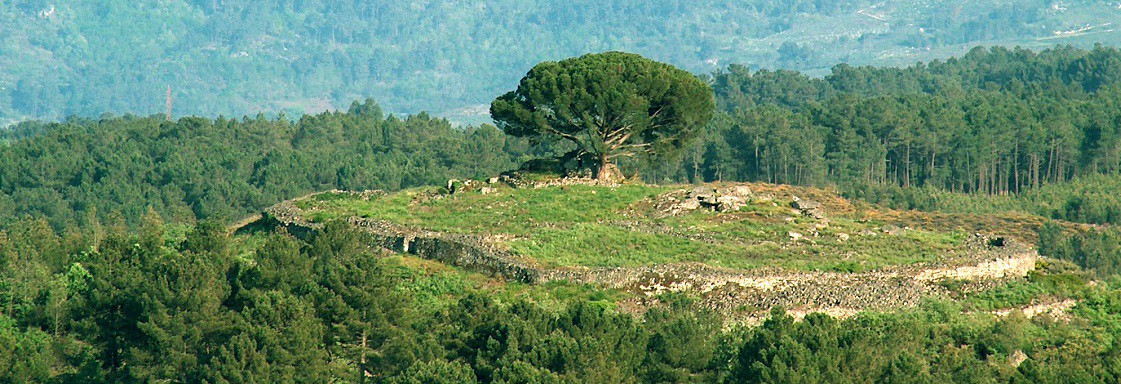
(689, 205)
(718, 200)
(808, 208)
(728, 203)
(741, 191)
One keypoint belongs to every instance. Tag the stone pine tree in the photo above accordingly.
(611, 105)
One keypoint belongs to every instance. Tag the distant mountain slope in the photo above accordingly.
(235, 57)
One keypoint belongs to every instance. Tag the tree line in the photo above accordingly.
(196, 168)
(995, 121)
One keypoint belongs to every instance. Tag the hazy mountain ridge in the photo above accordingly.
(235, 57)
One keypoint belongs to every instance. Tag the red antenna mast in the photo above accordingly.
(168, 112)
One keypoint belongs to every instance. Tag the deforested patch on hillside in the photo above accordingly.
(630, 225)
(739, 249)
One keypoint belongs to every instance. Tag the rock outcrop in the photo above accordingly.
(727, 199)
(808, 208)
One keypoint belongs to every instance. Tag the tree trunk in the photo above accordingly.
(1016, 167)
(907, 170)
(608, 172)
(696, 162)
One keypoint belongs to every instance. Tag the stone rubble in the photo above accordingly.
(808, 208)
(726, 199)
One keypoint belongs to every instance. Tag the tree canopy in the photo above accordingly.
(223, 169)
(610, 105)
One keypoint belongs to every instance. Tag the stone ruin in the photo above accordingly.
(992, 259)
(487, 186)
(808, 208)
(726, 199)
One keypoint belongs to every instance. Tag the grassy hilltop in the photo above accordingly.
(737, 248)
(581, 225)
(636, 224)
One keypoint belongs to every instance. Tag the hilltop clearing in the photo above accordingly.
(740, 249)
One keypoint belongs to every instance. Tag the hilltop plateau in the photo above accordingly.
(741, 249)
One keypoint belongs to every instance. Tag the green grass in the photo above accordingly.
(620, 227)
(510, 211)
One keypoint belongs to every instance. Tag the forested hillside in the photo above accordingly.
(199, 168)
(237, 57)
(995, 121)
(117, 307)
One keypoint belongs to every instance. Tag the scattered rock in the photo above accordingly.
(568, 181)
(794, 236)
(843, 237)
(1017, 358)
(456, 186)
(487, 190)
(689, 205)
(808, 208)
(727, 199)
(722, 199)
(764, 197)
(1056, 310)
(893, 230)
(741, 191)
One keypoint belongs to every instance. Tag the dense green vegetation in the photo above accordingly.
(1041, 125)
(1098, 249)
(238, 57)
(994, 121)
(1088, 199)
(168, 303)
(196, 168)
